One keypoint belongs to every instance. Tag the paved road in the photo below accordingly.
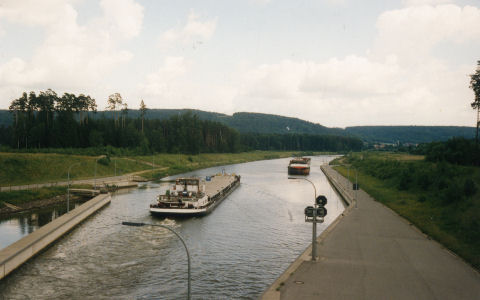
(372, 253)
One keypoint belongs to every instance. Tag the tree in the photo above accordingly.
(114, 100)
(18, 107)
(143, 109)
(92, 105)
(124, 113)
(475, 86)
(46, 101)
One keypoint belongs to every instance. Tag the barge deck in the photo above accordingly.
(195, 197)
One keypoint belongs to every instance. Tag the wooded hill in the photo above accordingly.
(245, 122)
(410, 134)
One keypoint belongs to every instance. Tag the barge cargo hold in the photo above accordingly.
(195, 196)
(299, 166)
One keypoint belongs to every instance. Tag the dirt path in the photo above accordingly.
(98, 181)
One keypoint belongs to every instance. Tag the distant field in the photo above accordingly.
(442, 200)
(385, 156)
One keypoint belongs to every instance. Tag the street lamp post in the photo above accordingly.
(68, 186)
(314, 220)
(181, 239)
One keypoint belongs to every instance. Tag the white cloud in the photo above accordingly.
(399, 82)
(425, 2)
(164, 80)
(123, 16)
(336, 2)
(170, 87)
(71, 55)
(16, 72)
(412, 32)
(32, 12)
(260, 2)
(194, 31)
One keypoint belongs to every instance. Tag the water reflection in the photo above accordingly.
(237, 250)
(15, 227)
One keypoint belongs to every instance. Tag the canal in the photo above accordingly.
(237, 250)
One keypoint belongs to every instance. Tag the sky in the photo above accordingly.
(338, 63)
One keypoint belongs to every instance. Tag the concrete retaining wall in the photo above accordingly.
(344, 192)
(19, 252)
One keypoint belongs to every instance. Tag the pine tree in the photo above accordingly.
(475, 86)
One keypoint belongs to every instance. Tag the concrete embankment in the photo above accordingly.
(19, 252)
(372, 253)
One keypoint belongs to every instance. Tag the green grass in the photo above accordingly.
(33, 168)
(27, 168)
(25, 196)
(171, 164)
(22, 169)
(452, 220)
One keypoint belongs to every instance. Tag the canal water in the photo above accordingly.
(237, 250)
(13, 228)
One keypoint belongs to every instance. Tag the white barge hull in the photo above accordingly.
(217, 197)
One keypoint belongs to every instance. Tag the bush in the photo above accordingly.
(452, 194)
(469, 187)
(104, 161)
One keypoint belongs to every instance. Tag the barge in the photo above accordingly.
(299, 166)
(194, 196)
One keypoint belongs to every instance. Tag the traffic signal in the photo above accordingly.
(309, 211)
(321, 200)
(321, 211)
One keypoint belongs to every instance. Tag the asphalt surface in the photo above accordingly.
(372, 253)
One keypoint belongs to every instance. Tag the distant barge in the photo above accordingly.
(195, 196)
(299, 166)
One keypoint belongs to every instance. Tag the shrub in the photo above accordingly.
(104, 161)
(469, 187)
(452, 194)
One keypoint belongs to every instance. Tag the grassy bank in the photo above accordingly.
(32, 168)
(22, 169)
(441, 199)
(18, 198)
(171, 164)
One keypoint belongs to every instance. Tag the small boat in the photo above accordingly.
(193, 196)
(299, 166)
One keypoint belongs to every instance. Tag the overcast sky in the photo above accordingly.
(334, 62)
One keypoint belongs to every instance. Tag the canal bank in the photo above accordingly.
(19, 252)
(372, 253)
(236, 251)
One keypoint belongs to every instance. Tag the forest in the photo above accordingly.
(47, 120)
(459, 151)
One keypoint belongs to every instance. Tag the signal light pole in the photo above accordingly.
(314, 214)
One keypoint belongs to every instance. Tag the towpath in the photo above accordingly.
(372, 253)
(92, 181)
